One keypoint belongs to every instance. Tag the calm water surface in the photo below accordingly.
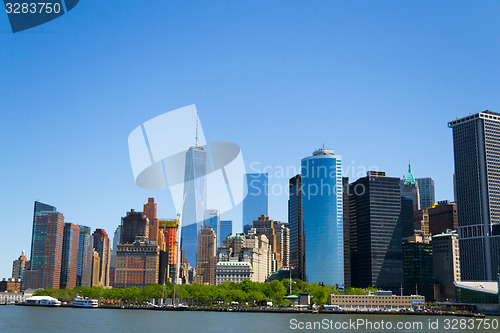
(21, 319)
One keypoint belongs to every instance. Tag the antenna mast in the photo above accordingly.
(196, 139)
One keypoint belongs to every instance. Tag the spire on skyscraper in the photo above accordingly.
(409, 176)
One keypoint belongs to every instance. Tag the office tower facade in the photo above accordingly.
(69, 264)
(46, 255)
(84, 265)
(243, 258)
(375, 217)
(150, 212)
(407, 219)
(195, 194)
(207, 257)
(347, 233)
(322, 209)
(410, 189)
(137, 264)
(476, 148)
(226, 229)
(283, 234)
(443, 217)
(212, 220)
(19, 265)
(169, 229)
(426, 192)
(296, 225)
(418, 266)
(279, 240)
(103, 248)
(421, 223)
(96, 269)
(446, 262)
(112, 260)
(134, 224)
(255, 203)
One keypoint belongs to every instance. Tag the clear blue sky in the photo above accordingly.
(377, 81)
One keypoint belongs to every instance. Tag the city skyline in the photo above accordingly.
(370, 66)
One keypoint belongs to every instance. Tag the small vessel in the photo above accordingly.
(80, 302)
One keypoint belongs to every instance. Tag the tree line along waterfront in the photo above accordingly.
(253, 293)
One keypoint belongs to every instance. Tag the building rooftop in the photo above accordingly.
(480, 286)
(487, 114)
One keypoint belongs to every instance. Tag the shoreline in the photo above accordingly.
(284, 310)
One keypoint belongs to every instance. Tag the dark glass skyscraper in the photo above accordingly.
(69, 262)
(426, 191)
(476, 143)
(296, 225)
(84, 266)
(322, 209)
(407, 220)
(226, 229)
(376, 252)
(255, 203)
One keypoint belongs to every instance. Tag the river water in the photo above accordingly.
(20, 319)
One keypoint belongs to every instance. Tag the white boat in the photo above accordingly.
(50, 302)
(80, 302)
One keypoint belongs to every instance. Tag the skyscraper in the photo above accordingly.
(212, 220)
(477, 176)
(112, 260)
(226, 229)
(69, 262)
(418, 266)
(279, 239)
(443, 217)
(256, 202)
(446, 259)
(426, 192)
(195, 192)
(207, 251)
(46, 249)
(296, 224)
(103, 248)
(84, 265)
(347, 232)
(150, 212)
(376, 251)
(407, 219)
(410, 189)
(134, 224)
(322, 209)
(19, 265)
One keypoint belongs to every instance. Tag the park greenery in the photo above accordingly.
(246, 292)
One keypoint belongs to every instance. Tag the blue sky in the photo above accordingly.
(377, 81)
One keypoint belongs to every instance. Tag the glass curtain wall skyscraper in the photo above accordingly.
(296, 225)
(226, 229)
(255, 203)
(376, 233)
(195, 194)
(476, 143)
(322, 209)
(426, 192)
(84, 266)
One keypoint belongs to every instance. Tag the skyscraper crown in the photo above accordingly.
(409, 176)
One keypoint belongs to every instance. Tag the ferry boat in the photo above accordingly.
(80, 302)
(50, 302)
